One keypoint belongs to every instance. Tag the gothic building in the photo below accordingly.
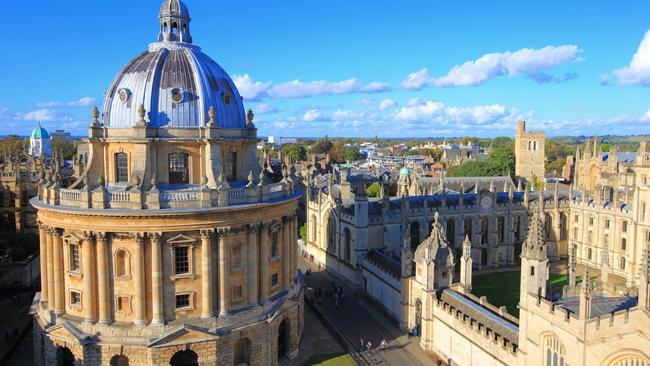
(529, 152)
(171, 245)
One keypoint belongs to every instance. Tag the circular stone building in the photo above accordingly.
(173, 245)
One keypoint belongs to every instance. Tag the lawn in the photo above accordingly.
(501, 289)
(330, 360)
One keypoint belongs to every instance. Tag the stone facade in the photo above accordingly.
(173, 244)
(529, 152)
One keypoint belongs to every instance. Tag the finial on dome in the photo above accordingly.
(211, 114)
(141, 113)
(249, 117)
(174, 22)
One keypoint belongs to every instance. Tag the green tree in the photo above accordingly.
(351, 153)
(297, 152)
(373, 190)
(322, 146)
(66, 147)
(303, 233)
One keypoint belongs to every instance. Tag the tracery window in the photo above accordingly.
(501, 228)
(555, 352)
(331, 235)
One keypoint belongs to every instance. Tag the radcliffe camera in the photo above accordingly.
(325, 183)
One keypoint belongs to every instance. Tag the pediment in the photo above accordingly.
(181, 239)
(68, 333)
(73, 236)
(183, 335)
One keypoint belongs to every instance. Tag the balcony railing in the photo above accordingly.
(167, 198)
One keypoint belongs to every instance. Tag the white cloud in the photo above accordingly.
(83, 102)
(386, 104)
(47, 115)
(311, 115)
(645, 117)
(367, 102)
(638, 71)
(253, 90)
(531, 63)
(264, 108)
(437, 113)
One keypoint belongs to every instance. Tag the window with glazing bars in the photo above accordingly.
(182, 301)
(121, 167)
(74, 258)
(178, 168)
(181, 260)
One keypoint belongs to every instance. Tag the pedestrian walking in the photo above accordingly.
(362, 345)
(384, 345)
(369, 347)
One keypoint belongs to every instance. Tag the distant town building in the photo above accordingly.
(61, 134)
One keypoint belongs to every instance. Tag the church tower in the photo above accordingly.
(529, 153)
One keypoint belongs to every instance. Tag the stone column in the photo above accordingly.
(206, 274)
(264, 261)
(42, 234)
(286, 273)
(224, 271)
(50, 267)
(57, 259)
(88, 263)
(293, 247)
(252, 276)
(103, 285)
(139, 279)
(157, 301)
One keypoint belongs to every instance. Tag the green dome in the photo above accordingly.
(40, 133)
(405, 171)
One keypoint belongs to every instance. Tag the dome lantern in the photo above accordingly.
(174, 22)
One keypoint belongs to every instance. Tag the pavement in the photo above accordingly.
(359, 319)
(15, 323)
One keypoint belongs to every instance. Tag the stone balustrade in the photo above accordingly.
(101, 198)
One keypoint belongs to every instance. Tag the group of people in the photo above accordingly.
(367, 347)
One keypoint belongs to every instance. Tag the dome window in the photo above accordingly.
(124, 95)
(177, 95)
(226, 99)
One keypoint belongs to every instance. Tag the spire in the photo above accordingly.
(466, 264)
(588, 149)
(174, 22)
(535, 245)
(585, 297)
(596, 146)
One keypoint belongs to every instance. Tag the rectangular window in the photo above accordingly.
(643, 211)
(236, 257)
(577, 219)
(181, 260)
(606, 240)
(590, 237)
(179, 172)
(606, 223)
(182, 301)
(274, 280)
(75, 298)
(532, 271)
(121, 167)
(122, 304)
(575, 233)
(274, 245)
(624, 226)
(623, 244)
(591, 220)
(74, 258)
(237, 293)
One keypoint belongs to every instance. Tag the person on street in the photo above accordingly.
(384, 345)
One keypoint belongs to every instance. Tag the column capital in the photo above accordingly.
(102, 236)
(89, 236)
(139, 237)
(42, 226)
(224, 231)
(155, 237)
(207, 234)
(252, 228)
(55, 231)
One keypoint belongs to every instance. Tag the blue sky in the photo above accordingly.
(353, 68)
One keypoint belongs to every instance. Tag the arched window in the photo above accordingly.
(517, 228)
(622, 264)
(314, 229)
(563, 226)
(242, 349)
(623, 244)
(165, 28)
(121, 168)
(331, 235)
(231, 165)
(484, 230)
(179, 172)
(414, 232)
(283, 335)
(347, 244)
(122, 263)
(555, 352)
(64, 357)
(185, 358)
(418, 316)
(501, 228)
(467, 227)
(174, 28)
(451, 232)
(119, 360)
(548, 226)
(630, 359)
(530, 145)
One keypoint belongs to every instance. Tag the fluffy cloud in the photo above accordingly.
(531, 63)
(264, 108)
(638, 71)
(433, 112)
(386, 104)
(47, 115)
(253, 90)
(83, 102)
(311, 115)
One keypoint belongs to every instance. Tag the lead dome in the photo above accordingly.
(174, 81)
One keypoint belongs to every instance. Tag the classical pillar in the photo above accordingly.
(140, 295)
(42, 235)
(224, 270)
(57, 258)
(88, 263)
(286, 273)
(252, 274)
(206, 274)
(157, 302)
(103, 285)
(264, 261)
(50, 267)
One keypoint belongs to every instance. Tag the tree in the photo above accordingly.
(297, 152)
(303, 233)
(11, 145)
(351, 153)
(322, 146)
(435, 153)
(501, 162)
(337, 153)
(67, 147)
(373, 190)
